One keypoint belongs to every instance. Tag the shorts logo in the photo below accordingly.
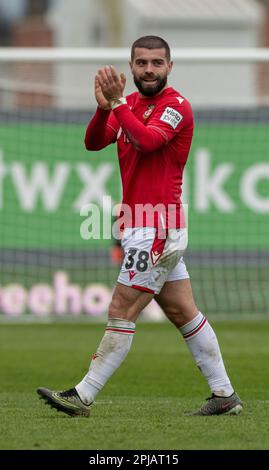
(171, 117)
(155, 256)
(131, 275)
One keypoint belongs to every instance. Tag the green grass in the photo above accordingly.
(143, 405)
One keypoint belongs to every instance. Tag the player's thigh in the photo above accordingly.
(127, 302)
(177, 302)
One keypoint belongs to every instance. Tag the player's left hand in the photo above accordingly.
(112, 83)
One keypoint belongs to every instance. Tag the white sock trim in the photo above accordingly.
(120, 325)
(194, 326)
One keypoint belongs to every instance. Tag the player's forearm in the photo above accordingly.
(98, 135)
(143, 138)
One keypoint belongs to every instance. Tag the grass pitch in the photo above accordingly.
(143, 405)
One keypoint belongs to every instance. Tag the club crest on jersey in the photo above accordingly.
(148, 112)
(171, 117)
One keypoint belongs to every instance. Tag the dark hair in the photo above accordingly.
(151, 42)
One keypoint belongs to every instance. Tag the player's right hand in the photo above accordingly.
(99, 95)
(101, 100)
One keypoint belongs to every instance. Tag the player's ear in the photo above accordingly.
(170, 66)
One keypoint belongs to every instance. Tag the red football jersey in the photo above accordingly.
(154, 136)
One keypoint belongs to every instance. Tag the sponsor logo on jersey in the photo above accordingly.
(131, 275)
(171, 117)
(148, 112)
(180, 99)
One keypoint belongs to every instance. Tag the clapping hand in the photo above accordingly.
(109, 84)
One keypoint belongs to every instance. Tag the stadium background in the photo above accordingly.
(47, 269)
(55, 287)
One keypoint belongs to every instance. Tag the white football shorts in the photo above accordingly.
(153, 257)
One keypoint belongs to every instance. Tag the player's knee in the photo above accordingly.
(172, 311)
(181, 314)
(117, 308)
(114, 310)
(174, 315)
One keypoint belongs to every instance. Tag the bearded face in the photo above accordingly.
(150, 84)
(150, 69)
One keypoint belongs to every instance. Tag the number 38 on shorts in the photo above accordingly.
(135, 259)
(150, 261)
